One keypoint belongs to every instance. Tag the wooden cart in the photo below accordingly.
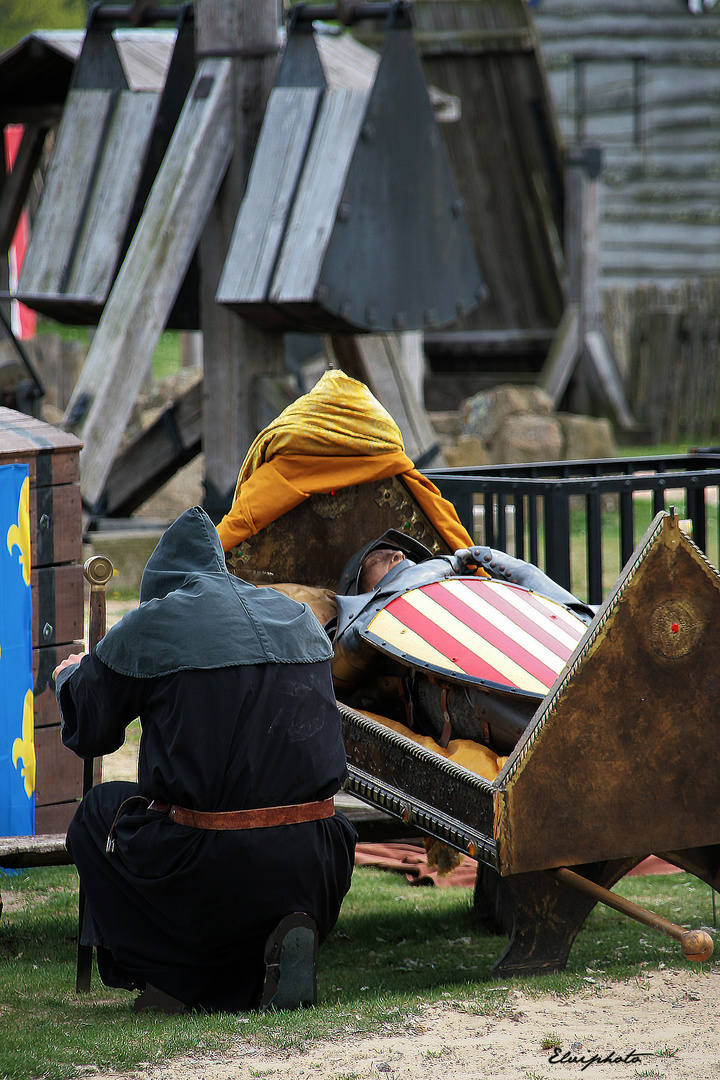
(620, 761)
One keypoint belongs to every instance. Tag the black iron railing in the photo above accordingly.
(581, 520)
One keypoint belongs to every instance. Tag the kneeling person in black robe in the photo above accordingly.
(233, 689)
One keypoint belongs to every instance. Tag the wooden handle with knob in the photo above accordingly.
(697, 945)
(98, 570)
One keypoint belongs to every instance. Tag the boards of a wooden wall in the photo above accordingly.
(57, 599)
(59, 771)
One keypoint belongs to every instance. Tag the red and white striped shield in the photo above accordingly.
(479, 630)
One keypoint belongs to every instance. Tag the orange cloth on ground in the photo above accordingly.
(412, 861)
(471, 755)
(335, 436)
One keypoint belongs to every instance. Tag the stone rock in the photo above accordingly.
(509, 424)
(466, 450)
(445, 423)
(484, 414)
(183, 490)
(587, 437)
(527, 437)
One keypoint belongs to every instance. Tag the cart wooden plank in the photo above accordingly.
(55, 513)
(52, 455)
(149, 279)
(54, 818)
(59, 771)
(45, 660)
(111, 198)
(623, 757)
(57, 601)
(272, 184)
(316, 204)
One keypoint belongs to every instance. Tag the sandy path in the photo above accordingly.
(663, 1024)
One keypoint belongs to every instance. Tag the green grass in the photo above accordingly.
(65, 333)
(166, 358)
(610, 526)
(396, 949)
(612, 562)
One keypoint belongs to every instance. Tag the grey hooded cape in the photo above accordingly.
(232, 686)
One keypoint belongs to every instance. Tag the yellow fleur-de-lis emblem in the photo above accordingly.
(25, 748)
(19, 535)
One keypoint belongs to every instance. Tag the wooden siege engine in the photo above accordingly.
(109, 147)
(620, 760)
(351, 221)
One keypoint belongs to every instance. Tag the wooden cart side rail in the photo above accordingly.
(628, 733)
(419, 788)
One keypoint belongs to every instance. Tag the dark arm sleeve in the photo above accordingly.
(96, 705)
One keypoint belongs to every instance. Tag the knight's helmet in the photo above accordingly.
(411, 548)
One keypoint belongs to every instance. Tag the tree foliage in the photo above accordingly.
(21, 17)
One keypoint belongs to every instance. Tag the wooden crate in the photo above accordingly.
(53, 460)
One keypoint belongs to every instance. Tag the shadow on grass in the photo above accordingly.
(396, 951)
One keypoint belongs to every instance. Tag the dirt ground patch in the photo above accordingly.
(664, 1024)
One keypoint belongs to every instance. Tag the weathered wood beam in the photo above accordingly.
(88, 196)
(562, 355)
(78, 145)
(581, 254)
(272, 185)
(154, 456)
(142, 297)
(378, 361)
(607, 372)
(487, 342)
(236, 353)
(14, 188)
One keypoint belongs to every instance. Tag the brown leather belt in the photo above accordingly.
(263, 818)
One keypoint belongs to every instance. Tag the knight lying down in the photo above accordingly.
(400, 613)
(456, 645)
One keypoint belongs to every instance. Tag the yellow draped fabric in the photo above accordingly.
(335, 436)
(471, 755)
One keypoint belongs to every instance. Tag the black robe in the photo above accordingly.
(188, 910)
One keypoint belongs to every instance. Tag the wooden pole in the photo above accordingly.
(378, 361)
(98, 570)
(236, 353)
(696, 944)
(581, 256)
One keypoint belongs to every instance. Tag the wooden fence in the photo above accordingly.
(667, 343)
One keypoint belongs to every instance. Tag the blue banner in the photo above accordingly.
(17, 748)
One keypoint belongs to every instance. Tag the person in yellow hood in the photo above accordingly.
(335, 436)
